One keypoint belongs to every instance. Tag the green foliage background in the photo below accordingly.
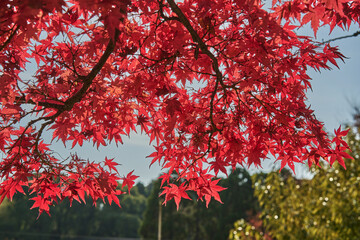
(324, 207)
(80, 220)
(138, 217)
(193, 220)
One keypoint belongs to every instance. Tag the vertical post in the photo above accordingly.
(159, 222)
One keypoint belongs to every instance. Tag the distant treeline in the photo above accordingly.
(262, 206)
(138, 217)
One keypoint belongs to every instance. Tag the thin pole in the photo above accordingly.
(159, 222)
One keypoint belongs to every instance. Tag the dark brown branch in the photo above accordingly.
(204, 48)
(88, 79)
(22, 100)
(69, 103)
(355, 34)
(215, 66)
(9, 39)
(196, 38)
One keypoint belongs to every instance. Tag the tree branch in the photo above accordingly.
(355, 34)
(69, 103)
(204, 48)
(88, 79)
(9, 39)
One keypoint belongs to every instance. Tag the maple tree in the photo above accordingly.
(213, 83)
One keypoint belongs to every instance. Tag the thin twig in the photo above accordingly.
(355, 34)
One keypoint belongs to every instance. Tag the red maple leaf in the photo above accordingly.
(129, 180)
(111, 164)
(175, 192)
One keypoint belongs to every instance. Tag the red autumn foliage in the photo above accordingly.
(213, 83)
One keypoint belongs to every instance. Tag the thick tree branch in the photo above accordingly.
(22, 100)
(88, 79)
(69, 103)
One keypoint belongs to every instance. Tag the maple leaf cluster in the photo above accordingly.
(213, 83)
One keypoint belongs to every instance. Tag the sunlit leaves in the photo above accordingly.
(214, 84)
(325, 206)
(129, 180)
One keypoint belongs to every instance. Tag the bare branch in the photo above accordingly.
(355, 34)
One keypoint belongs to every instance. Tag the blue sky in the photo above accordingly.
(333, 93)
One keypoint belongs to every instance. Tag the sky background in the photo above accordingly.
(334, 93)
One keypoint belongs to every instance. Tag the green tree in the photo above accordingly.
(238, 202)
(244, 230)
(172, 221)
(193, 220)
(112, 221)
(324, 207)
(17, 222)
